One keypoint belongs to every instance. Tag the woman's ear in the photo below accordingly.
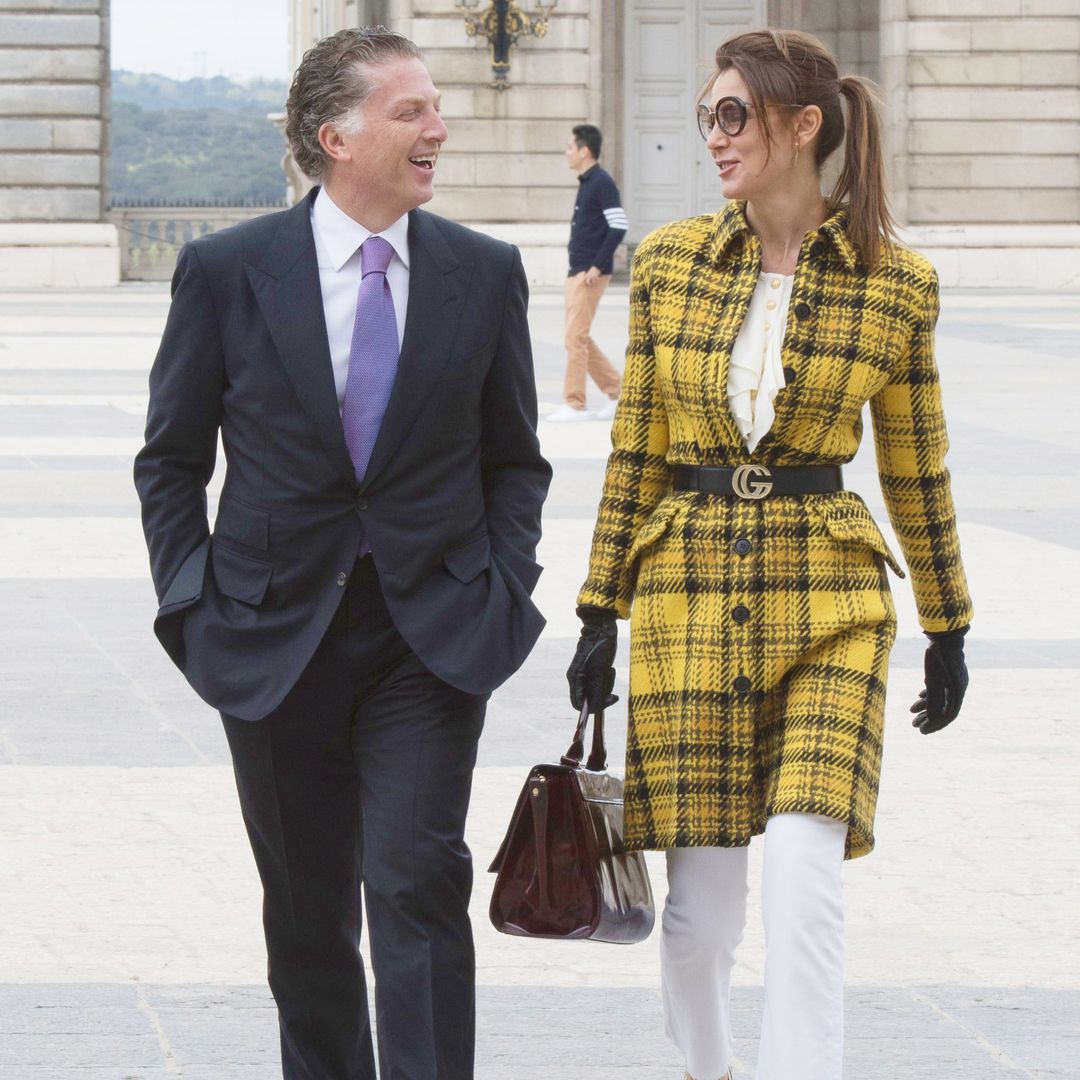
(807, 125)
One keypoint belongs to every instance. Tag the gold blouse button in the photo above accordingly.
(771, 304)
(775, 283)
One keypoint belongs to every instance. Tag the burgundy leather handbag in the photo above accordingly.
(562, 869)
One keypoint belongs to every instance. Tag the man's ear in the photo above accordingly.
(330, 139)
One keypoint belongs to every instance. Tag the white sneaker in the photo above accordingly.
(607, 410)
(567, 414)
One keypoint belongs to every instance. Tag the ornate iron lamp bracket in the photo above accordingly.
(502, 23)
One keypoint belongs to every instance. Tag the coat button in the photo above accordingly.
(802, 311)
(361, 502)
(789, 374)
(740, 613)
(342, 579)
(742, 685)
(743, 546)
(817, 248)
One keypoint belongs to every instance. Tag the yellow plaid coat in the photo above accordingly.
(760, 630)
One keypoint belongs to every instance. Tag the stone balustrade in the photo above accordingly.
(151, 236)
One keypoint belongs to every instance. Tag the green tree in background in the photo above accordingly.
(201, 141)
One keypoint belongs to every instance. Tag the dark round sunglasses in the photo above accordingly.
(731, 113)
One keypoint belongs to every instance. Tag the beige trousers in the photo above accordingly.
(582, 353)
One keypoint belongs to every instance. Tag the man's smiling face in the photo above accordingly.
(387, 165)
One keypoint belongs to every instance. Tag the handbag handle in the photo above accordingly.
(598, 754)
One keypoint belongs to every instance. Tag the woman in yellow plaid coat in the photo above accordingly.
(761, 616)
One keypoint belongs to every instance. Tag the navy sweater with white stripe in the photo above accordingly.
(599, 222)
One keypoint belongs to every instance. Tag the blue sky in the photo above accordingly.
(185, 38)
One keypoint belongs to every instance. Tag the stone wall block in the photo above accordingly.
(60, 65)
(543, 102)
(935, 36)
(76, 134)
(994, 206)
(983, 104)
(979, 9)
(50, 5)
(50, 204)
(1050, 69)
(25, 134)
(22, 99)
(426, 8)
(455, 168)
(551, 68)
(50, 30)
(463, 66)
(502, 204)
(71, 169)
(893, 40)
(1029, 171)
(941, 69)
(1049, 7)
(525, 170)
(1037, 35)
(988, 138)
(481, 136)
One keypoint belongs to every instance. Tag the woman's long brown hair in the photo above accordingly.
(789, 67)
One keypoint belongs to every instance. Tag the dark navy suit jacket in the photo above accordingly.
(450, 502)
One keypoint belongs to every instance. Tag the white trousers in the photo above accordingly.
(802, 1028)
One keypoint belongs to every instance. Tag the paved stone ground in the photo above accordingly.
(130, 946)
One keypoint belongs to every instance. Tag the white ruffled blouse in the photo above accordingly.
(756, 372)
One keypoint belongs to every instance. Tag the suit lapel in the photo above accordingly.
(286, 286)
(437, 287)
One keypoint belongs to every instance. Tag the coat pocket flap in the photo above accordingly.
(848, 520)
(651, 531)
(238, 576)
(469, 560)
(242, 523)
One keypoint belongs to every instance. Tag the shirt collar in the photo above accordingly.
(731, 224)
(341, 235)
(587, 174)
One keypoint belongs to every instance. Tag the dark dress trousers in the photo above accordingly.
(352, 691)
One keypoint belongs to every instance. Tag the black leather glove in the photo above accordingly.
(591, 674)
(946, 681)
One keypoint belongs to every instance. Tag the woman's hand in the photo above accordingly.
(591, 674)
(946, 682)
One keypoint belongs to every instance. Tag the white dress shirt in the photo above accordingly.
(756, 371)
(337, 245)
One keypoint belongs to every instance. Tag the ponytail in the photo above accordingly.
(861, 184)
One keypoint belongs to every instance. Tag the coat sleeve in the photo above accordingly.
(177, 459)
(514, 474)
(638, 475)
(911, 442)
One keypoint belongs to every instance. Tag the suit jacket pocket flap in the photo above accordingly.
(242, 523)
(470, 559)
(238, 576)
(847, 519)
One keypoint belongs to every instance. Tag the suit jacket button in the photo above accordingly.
(742, 685)
(743, 546)
(361, 502)
(342, 579)
(802, 311)
(741, 613)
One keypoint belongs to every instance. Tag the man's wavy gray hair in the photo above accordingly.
(331, 82)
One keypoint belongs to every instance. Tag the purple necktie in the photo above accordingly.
(373, 355)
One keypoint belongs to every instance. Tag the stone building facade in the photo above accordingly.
(982, 112)
(54, 110)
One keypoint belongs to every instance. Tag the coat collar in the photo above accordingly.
(731, 226)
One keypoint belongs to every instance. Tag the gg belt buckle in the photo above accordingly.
(746, 487)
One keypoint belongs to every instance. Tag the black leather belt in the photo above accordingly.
(753, 481)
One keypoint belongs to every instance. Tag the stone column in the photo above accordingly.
(54, 103)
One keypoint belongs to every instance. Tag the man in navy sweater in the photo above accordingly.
(596, 230)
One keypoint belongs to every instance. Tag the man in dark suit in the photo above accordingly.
(367, 582)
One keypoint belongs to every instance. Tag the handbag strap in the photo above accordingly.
(598, 754)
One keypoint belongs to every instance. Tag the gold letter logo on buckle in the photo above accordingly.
(747, 488)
